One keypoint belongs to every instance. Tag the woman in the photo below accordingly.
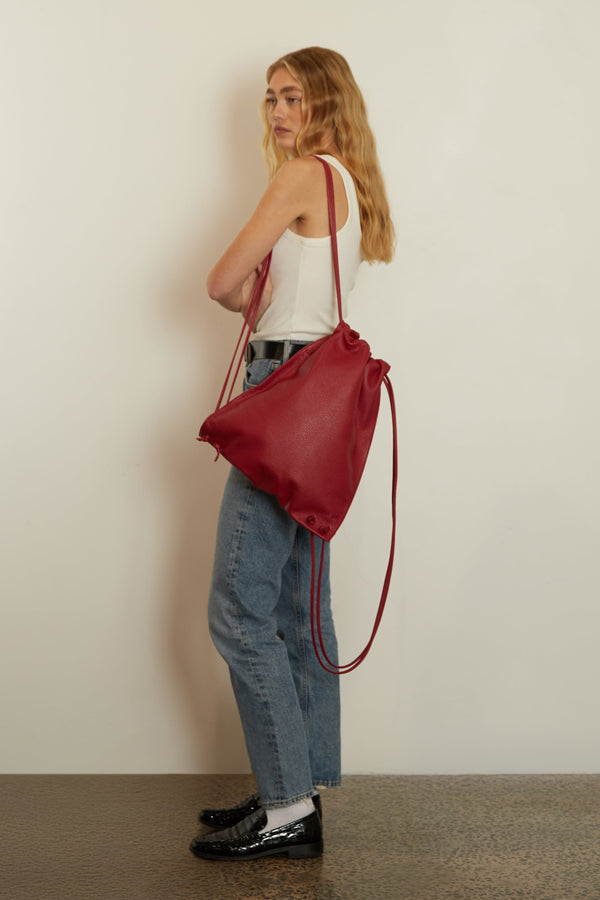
(259, 608)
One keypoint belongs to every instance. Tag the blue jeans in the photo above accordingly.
(259, 619)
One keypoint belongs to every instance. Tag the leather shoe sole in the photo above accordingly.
(227, 818)
(302, 839)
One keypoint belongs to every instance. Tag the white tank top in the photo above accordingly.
(303, 303)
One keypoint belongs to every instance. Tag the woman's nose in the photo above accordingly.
(276, 110)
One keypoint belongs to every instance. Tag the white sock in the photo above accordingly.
(283, 815)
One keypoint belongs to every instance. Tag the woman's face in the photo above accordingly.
(284, 105)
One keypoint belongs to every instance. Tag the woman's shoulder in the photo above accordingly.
(301, 168)
(311, 163)
(304, 173)
(300, 178)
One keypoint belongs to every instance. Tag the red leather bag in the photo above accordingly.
(304, 433)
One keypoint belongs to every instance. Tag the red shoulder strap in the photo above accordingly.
(333, 230)
(249, 325)
(315, 601)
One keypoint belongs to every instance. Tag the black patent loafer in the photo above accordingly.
(302, 839)
(227, 818)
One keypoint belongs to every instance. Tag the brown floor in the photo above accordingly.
(405, 838)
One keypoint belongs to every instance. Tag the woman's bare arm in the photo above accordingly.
(288, 198)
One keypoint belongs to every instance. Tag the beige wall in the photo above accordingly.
(130, 146)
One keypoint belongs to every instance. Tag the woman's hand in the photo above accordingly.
(248, 291)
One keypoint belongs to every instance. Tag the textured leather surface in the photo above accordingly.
(305, 432)
(225, 818)
(298, 840)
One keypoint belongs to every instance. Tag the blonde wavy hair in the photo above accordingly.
(333, 107)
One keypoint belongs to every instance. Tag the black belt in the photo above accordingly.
(272, 350)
